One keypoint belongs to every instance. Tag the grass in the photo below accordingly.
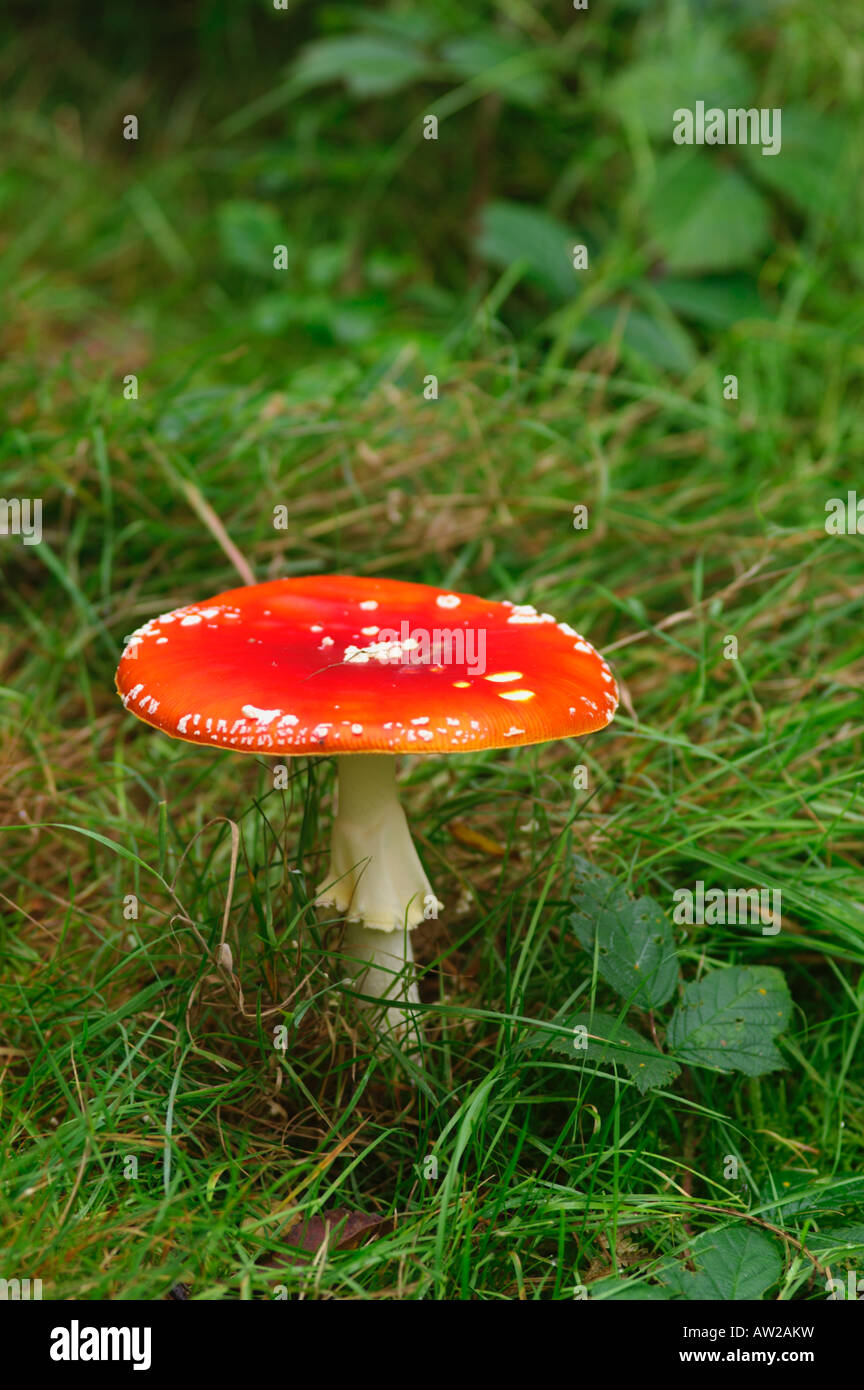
(152, 1133)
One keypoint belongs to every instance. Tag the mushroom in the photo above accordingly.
(365, 669)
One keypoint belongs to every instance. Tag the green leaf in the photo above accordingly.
(810, 166)
(729, 1018)
(664, 345)
(368, 64)
(840, 1240)
(705, 215)
(812, 1197)
(635, 949)
(718, 302)
(248, 232)
(696, 67)
(500, 64)
(733, 1264)
(611, 1041)
(513, 232)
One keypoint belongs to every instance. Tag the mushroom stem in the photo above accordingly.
(383, 966)
(376, 878)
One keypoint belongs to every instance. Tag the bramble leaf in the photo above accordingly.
(607, 1039)
(706, 216)
(635, 949)
(732, 1264)
(728, 1020)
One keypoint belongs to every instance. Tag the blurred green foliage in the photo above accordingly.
(304, 127)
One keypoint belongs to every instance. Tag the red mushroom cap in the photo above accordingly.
(338, 664)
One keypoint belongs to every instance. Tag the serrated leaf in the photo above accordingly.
(610, 1040)
(729, 1018)
(705, 215)
(734, 1264)
(815, 1197)
(368, 64)
(635, 949)
(512, 232)
(840, 1240)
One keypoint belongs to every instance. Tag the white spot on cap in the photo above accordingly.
(190, 620)
(369, 604)
(356, 728)
(448, 600)
(263, 716)
(505, 676)
(516, 695)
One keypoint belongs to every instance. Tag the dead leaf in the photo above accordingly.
(340, 1228)
(476, 839)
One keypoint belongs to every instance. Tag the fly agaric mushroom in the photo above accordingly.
(364, 669)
